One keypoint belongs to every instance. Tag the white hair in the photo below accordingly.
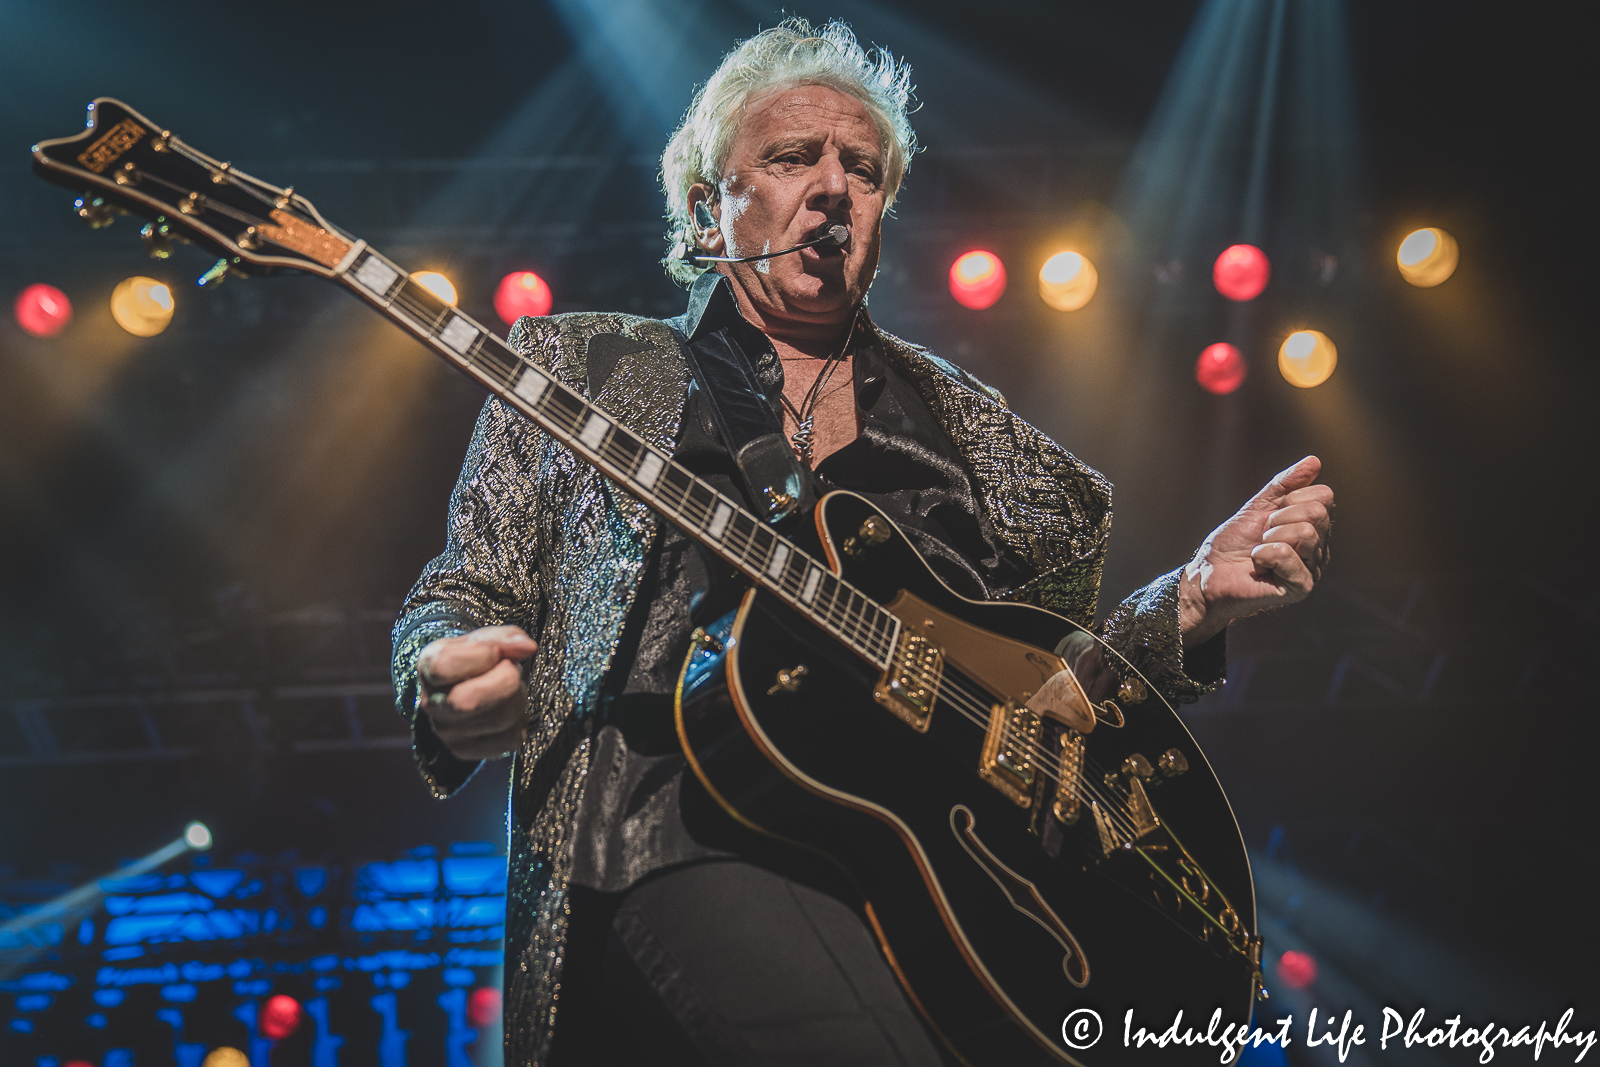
(790, 54)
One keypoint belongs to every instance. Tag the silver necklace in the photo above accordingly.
(805, 417)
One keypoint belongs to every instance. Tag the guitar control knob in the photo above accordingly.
(789, 679)
(1172, 763)
(1132, 691)
(874, 531)
(1136, 766)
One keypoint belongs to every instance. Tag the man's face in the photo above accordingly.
(802, 158)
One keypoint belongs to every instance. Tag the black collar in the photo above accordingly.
(711, 306)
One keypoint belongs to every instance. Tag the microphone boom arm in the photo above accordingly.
(836, 235)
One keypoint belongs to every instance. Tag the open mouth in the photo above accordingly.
(828, 248)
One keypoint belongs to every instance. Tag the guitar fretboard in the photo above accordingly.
(710, 517)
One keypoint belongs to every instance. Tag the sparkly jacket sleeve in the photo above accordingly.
(1144, 629)
(482, 578)
(1054, 511)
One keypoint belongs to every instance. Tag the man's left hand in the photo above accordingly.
(1270, 553)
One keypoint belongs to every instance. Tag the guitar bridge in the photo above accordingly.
(910, 684)
(1009, 757)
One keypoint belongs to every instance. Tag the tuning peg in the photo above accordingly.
(95, 212)
(157, 238)
(220, 272)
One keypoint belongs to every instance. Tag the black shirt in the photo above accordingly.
(628, 822)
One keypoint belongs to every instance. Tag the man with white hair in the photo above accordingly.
(639, 929)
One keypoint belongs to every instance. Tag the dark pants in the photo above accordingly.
(726, 963)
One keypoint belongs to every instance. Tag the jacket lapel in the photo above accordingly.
(1050, 507)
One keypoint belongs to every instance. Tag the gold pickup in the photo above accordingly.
(910, 684)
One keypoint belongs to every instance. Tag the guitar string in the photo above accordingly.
(859, 631)
(969, 705)
(210, 204)
(233, 179)
(971, 708)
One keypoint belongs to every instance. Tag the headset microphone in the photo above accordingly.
(836, 235)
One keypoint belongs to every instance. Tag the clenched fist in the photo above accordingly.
(472, 690)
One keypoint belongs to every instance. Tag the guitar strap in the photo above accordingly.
(775, 482)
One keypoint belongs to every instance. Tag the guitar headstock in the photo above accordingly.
(128, 164)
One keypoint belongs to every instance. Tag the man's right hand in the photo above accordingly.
(472, 690)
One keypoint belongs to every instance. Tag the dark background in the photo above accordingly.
(243, 500)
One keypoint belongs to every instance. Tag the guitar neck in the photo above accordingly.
(710, 517)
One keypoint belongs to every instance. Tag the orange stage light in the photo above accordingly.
(142, 306)
(1427, 257)
(1307, 357)
(1067, 281)
(437, 284)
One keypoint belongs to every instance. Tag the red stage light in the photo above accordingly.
(1220, 368)
(977, 279)
(280, 1017)
(43, 310)
(1241, 272)
(484, 1006)
(1297, 969)
(521, 293)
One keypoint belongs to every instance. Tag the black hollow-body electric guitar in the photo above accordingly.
(1038, 850)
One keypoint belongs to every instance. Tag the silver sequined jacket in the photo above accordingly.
(538, 539)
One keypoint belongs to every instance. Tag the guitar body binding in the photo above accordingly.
(998, 919)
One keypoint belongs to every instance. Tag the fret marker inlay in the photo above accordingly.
(532, 386)
(459, 335)
(376, 276)
(780, 556)
(813, 579)
(648, 470)
(719, 520)
(594, 431)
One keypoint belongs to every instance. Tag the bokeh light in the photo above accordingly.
(142, 306)
(280, 1017)
(43, 310)
(484, 1006)
(225, 1056)
(437, 284)
(1067, 281)
(977, 279)
(1220, 368)
(1427, 257)
(1297, 969)
(1241, 272)
(1307, 357)
(522, 293)
(197, 836)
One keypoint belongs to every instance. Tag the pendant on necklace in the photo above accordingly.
(802, 438)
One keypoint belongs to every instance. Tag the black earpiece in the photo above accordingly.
(703, 216)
